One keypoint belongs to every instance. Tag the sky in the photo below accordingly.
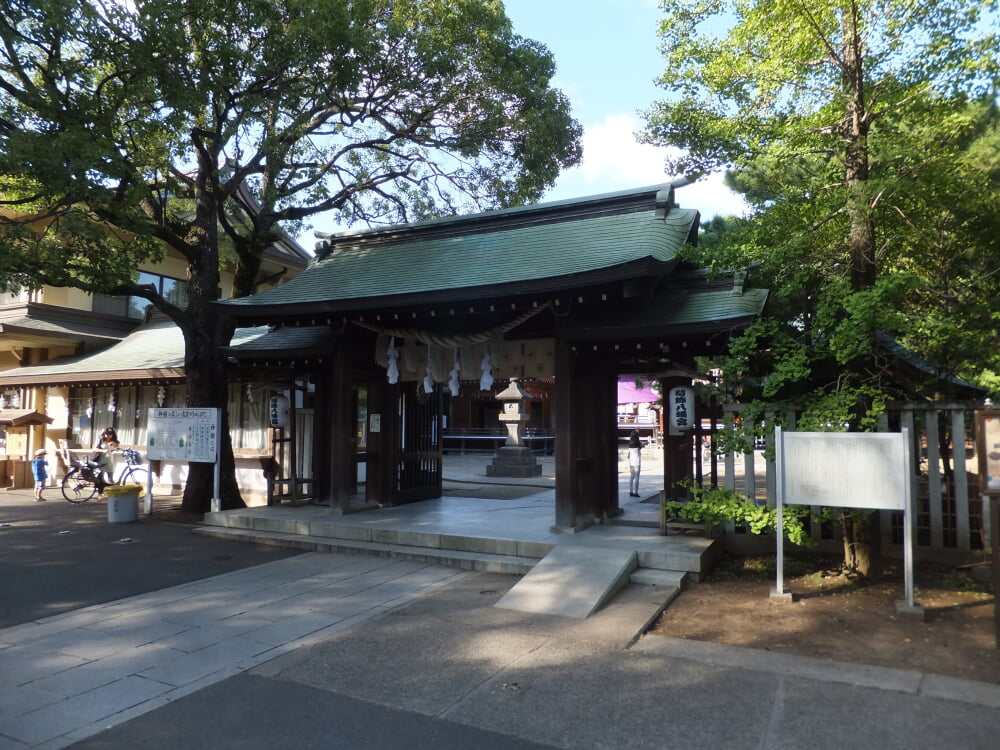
(607, 60)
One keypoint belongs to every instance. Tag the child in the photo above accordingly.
(40, 473)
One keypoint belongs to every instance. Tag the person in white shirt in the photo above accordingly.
(634, 463)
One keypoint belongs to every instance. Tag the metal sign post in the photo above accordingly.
(780, 592)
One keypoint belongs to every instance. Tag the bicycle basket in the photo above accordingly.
(132, 456)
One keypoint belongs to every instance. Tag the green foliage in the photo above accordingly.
(717, 506)
(205, 126)
(155, 115)
(865, 136)
(774, 80)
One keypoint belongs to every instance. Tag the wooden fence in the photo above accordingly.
(949, 510)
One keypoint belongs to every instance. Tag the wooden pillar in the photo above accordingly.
(321, 435)
(586, 440)
(381, 398)
(566, 395)
(341, 431)
(609, 412)
(601, 428)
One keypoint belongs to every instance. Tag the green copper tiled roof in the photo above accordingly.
(714, 306)
(155, 350)
(284, 341)
(695, 310)
(536, 243)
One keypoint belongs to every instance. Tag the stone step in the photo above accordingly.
(660, 578)
(571, 580)
(334, 529)
(466, 560)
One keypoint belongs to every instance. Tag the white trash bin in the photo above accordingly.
(123, 508)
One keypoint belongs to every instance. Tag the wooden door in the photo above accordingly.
(417, 449)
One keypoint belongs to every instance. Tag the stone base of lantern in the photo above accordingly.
(514, 461)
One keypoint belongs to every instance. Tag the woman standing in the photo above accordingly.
(634, 463)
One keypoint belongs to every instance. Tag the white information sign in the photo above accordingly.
(845, 470)
(186, 434)
(183, 434)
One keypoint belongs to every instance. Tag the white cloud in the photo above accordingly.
(611, 154)
(613, 160)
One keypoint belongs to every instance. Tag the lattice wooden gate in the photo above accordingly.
(417, 452)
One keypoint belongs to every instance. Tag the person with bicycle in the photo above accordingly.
(82, 483)
(106, 443)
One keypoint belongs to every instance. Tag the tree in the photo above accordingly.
(210, 125)
(851, 127)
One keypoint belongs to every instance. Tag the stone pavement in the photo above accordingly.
(71, 675)
(220, 658)
(452, 660)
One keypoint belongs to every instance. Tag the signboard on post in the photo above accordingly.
(846, 470)
(186, 434)
(988, 448)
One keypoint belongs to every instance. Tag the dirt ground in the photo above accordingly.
(836, 618)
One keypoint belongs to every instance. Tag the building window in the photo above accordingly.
(174, 291)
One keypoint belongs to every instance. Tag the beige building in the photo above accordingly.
(48, 330)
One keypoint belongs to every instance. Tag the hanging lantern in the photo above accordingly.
(681, 405)
(277, 410)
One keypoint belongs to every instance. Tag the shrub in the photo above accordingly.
(717, 505)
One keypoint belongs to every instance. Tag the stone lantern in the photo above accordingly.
(514, 458)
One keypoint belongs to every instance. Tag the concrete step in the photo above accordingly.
(466, 560)
(330, 528)
(667, 585)
(573, 576)
(666, 579)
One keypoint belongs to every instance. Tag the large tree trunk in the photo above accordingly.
(208, 386)
(861, 533)
(204, 336)
(862, 544)
(854, 131)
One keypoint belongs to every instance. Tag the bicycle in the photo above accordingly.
(85, 480)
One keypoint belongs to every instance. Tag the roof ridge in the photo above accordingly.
(660, 197)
